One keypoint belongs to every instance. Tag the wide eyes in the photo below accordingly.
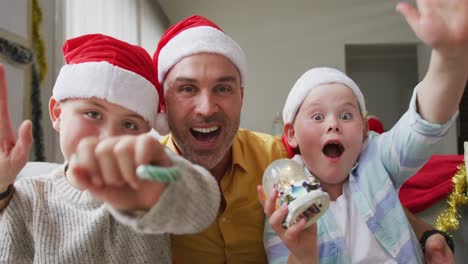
(317, 117)
(345, 116)
(321, 117)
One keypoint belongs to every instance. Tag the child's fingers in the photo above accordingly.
(108, 165)
(86, 159)
(125, 155)
(410, 14)
(294, 231)
(270, 203)
(276, 219)
(79, 177)
(6, 131)
(20, 151)
(150, 151)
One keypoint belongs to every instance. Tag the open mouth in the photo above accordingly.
(333, 150)
(205, 134)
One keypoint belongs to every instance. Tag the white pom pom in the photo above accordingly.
(161, 125)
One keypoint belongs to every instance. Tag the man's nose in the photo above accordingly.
(207, 105)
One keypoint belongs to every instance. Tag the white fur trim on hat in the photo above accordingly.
(197, 40)
(106, 81)
(311, 79)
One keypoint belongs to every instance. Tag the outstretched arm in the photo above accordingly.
(107, 168)
(14, 153)
(437, 249)
(443, 26)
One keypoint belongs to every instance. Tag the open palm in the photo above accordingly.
(13, 153)
(440, 24)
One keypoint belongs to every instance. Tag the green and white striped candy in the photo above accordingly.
(156, 173)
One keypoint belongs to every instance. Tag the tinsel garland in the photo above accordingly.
(38, 73)
(15, 52)
(449, 219)
(37, 41)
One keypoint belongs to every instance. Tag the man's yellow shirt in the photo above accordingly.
(236, 236)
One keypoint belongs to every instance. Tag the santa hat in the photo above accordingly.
(103, 67)
(375, 124)
(193, 35)
(311, 79)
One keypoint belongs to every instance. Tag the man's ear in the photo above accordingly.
(366, 128)
(288, 130)
(54, 112)
(242, 94)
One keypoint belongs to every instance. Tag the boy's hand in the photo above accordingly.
(440, 24)
(107, 168)
(302, 243)
(14, 153)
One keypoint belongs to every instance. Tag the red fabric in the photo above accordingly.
(291, 151)
(375, 124)
(174, 30)
(98, 47)
(432, 183)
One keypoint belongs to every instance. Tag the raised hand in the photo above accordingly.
(14, 153)
(440, 24)
(107, 168)
(301, 242)
(443, 26)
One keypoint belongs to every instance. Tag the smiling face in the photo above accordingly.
(329, 130)
(203, 99)
(76, 119)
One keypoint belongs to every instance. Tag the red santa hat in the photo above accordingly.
(103, 67)
(375, 124)
(193, 35)
(311, 79)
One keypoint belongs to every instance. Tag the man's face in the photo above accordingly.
(203, 102)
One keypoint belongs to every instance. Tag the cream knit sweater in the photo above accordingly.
(49, 221)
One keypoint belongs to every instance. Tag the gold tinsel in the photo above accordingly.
(448, 220)
(37, 41)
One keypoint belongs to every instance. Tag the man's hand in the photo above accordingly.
(107, 168)
(437, 250)
(14, 153)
